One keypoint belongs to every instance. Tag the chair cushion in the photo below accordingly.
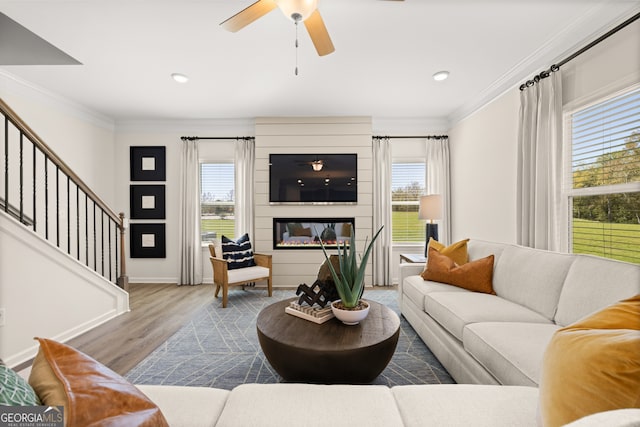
(247, 274)
(91, 393)
(238, 253)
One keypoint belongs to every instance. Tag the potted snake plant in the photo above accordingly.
(350, 308)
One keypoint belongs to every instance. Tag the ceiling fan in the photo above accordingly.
(297, 10)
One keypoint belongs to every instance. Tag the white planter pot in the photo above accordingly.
(350, 317)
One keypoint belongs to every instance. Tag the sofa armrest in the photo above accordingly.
(405, 270)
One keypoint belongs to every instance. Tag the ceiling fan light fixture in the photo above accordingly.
(180, 78)
(297, 10)
(440, 76)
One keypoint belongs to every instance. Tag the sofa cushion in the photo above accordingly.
(456, 251)
(311, 405)
(531, 277)
(466, 405)
(187, 406)
(455, 310)
(416, 288)
(593, 365)
(477, 249)
(475, 275)
(511, 351)
(592, 283)
(91, 393)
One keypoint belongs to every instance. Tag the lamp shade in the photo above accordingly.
(297, 10)
(430, 207)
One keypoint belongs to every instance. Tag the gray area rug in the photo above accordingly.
(219, 348)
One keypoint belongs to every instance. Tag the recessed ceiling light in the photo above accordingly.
(180, 78)
(440, 75)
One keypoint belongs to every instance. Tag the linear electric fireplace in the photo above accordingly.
(306, 233)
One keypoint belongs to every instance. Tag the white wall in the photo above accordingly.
(47, 293)
(83, 139)
(167, 134)
(483, 145)
(483, 172)
(43, 290)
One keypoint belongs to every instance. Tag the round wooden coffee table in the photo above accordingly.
(328, 353)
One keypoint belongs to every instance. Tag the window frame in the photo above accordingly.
(202, 162)
(407, 160)
(567, 191)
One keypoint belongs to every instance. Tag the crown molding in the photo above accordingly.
(573, 37)
(399, 126)
(210, 127)
(20, 87)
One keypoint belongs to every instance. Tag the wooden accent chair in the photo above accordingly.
(223, 277)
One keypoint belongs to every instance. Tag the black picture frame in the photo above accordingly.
(147, 241)
(147, 201)
(148, 163)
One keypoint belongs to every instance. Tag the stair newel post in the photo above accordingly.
(123, 280)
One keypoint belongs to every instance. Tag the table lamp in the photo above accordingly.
(430, 209)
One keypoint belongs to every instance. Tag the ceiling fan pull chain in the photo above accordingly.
(296, 22)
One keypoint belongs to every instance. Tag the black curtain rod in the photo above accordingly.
(197, 138)
(412, 137)
(556, 67)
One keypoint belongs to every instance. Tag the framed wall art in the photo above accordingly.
(148, 163)
(147, 241)
(147, 201)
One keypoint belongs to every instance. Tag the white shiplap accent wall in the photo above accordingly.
(310, 135)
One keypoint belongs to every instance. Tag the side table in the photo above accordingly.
(413, 258)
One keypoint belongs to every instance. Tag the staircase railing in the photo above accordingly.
(43, 193)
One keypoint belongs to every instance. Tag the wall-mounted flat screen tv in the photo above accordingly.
(313, 178)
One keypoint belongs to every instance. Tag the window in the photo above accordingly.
(604, 188)
(217, 200)
(407, 185)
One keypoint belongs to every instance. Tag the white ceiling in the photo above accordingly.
(386, 52)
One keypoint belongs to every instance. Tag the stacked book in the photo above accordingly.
(313, 313)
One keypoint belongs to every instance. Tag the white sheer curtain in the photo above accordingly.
(382, 248)
(244, 167)
(189, 234)
(540, 164)
(439, 181)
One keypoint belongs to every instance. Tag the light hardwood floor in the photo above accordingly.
(157, 312)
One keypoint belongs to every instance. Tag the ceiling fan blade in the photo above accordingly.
(319, 34)
(248, 15)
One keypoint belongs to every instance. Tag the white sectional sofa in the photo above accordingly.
(501, 339)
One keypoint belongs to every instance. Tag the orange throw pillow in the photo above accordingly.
(91, 393)
(592, 365)
(475, 276)
(457, 251)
